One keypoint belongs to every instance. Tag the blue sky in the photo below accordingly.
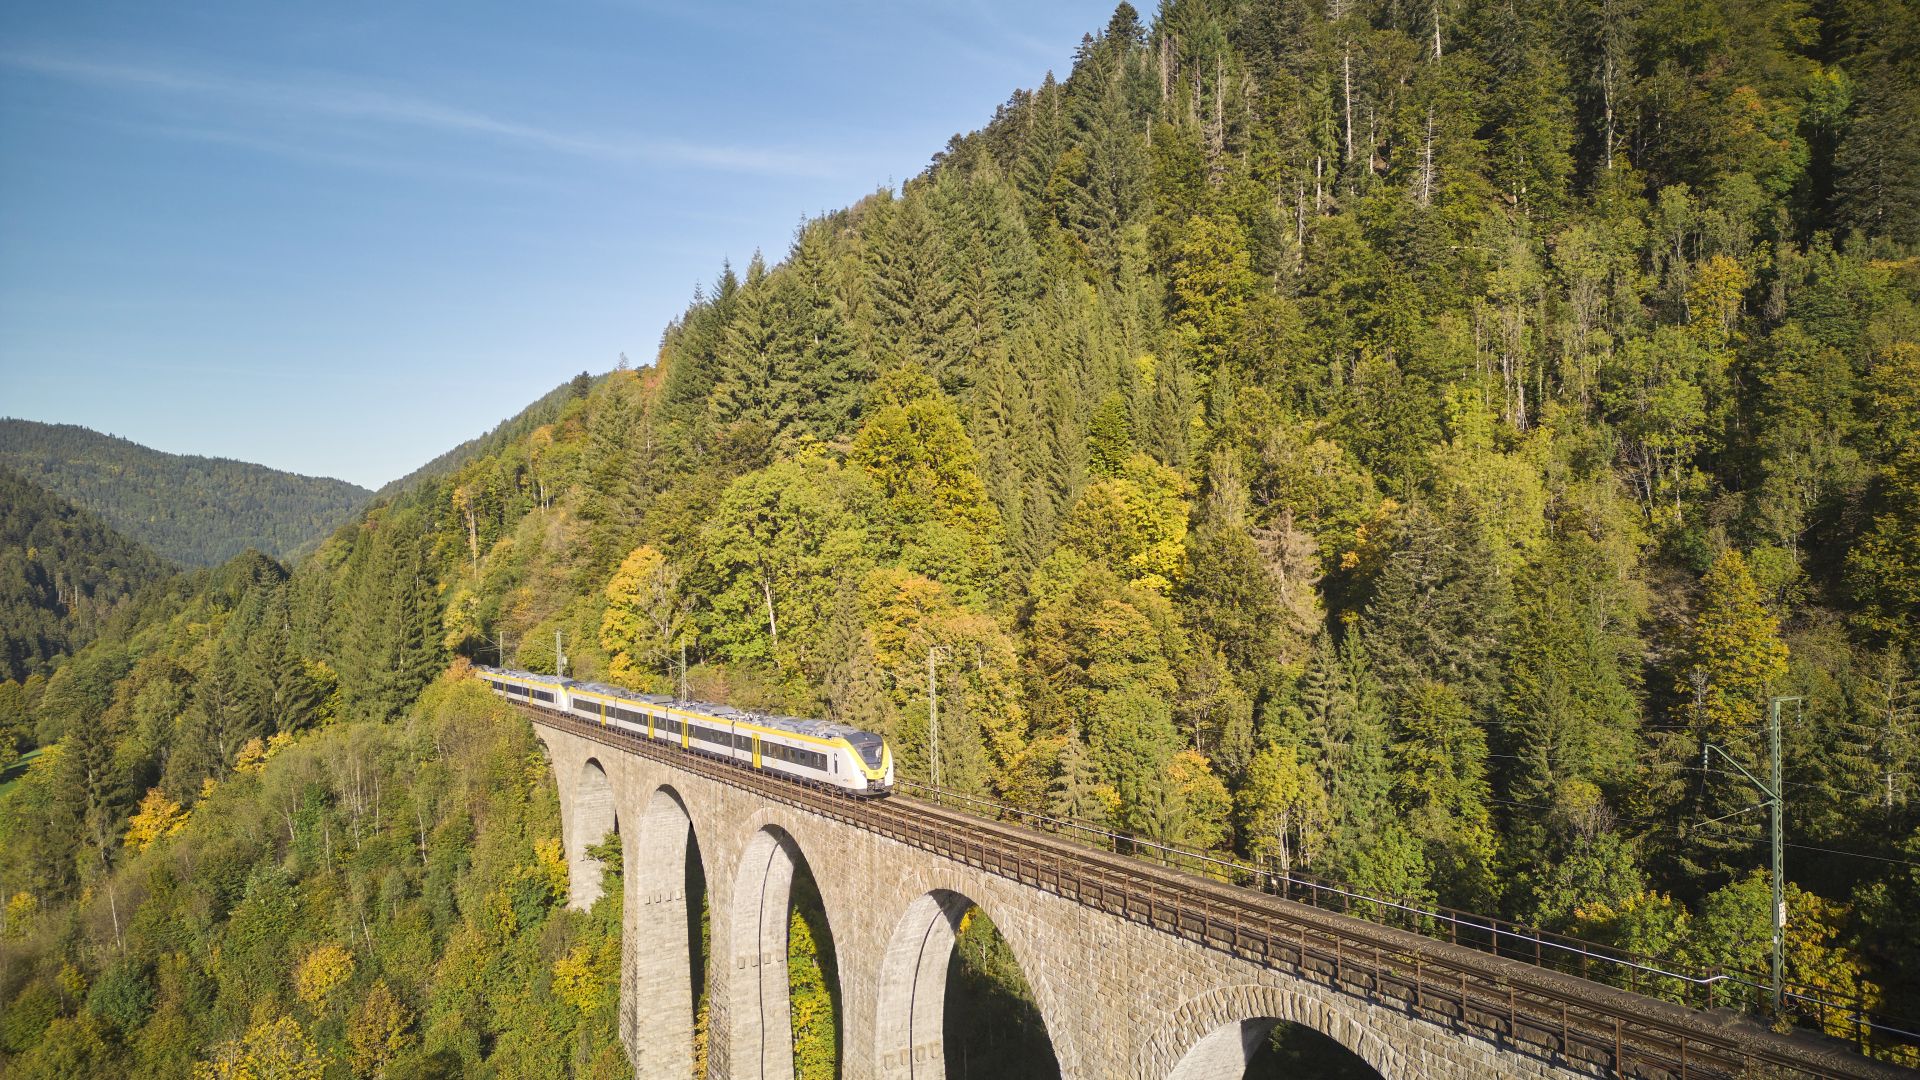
(339, 238)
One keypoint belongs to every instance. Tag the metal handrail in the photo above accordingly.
(1588, 951)
(1573, 1022)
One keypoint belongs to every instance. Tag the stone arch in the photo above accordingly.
(910, 1025)
(1214, 1036)
(762, 1016)
(593, 817)
(658, 946)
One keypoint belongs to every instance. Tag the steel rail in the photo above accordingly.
(1537, 1011)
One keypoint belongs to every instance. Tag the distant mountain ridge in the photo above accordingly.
(192, 510)
(62, 572)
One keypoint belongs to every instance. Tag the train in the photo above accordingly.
(818, 752)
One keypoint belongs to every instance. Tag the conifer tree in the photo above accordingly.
(753, 383)
(1883, 568)
(1440, 758)
(815, 333)
(1110, 437)
(1735, 655)
(1435, 612)
(916, 309)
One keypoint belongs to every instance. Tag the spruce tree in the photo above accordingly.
(824, 364)
(917, 313)
(1435, 611)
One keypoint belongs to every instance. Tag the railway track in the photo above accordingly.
(1531, 1010)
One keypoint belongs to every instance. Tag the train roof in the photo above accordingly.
(800, 725)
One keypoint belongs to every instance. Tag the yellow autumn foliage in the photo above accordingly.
(252, 757)
(158, 818)
(575, 980)
(22, 907)
(274, 1048)
(550, 866)
(322, 972)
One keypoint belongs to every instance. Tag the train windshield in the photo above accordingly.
(869, 746)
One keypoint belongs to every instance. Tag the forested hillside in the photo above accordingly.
(505, 433)
(196, 511)
(1385, 442)
(62, 572)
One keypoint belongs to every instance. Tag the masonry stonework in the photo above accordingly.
(1119, 999)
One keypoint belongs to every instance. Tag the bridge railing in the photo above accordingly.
(1744, 989)
(1549, 1016)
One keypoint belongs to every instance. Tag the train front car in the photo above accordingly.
(870, 755)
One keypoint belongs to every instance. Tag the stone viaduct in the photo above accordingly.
(1122, 996)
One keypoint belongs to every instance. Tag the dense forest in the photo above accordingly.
(62, 572)
(1386, 442)
(195, 511)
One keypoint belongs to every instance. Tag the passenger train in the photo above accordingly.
(817, 751)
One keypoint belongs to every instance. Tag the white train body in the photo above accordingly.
(814, 751)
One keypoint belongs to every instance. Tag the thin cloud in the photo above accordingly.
(351, 102)
(349, 161)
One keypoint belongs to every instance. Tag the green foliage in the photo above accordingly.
(1135, 523)
(813, 979)
(194, 511)
(62, 574)
(645, 619)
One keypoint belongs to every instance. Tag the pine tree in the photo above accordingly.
(1878, 158)
(1882, 738)
(613, 503)
(1570, 702)
(1883, 568)
(220, 721)
(279, 683)
(1110, 437)
(1212, 282)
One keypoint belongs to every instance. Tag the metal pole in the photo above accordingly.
(1779, 802)
(933, 714)
(683, 669)
(1775, 793)
(934, 653)
(559, 658)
